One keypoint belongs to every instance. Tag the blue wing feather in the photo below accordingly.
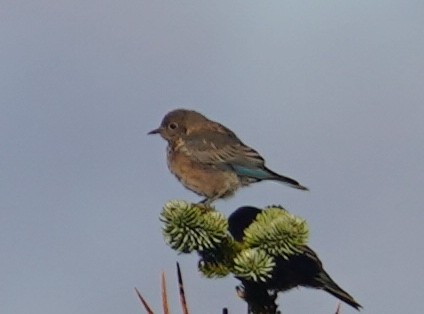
(256, 173)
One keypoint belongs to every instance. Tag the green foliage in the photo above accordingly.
(277, 232)
(196, 227)
(218, 262)
(192, 227)
(253, 264)
(213, 268)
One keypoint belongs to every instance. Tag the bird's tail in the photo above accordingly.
(331, 287)
(289, 181)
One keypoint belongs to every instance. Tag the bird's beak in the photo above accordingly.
(155, 131)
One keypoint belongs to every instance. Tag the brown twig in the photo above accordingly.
(181, 289)
(164, 295)
(339, 307)
(143, 302)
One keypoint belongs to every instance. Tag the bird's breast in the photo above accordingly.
(204, 179)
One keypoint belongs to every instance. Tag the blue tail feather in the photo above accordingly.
(266, 174)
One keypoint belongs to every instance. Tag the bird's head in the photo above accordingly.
(177, 123)
(240, 219)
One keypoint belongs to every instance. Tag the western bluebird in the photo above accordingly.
(209, 158)
(302, 269)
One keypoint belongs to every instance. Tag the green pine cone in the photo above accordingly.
(192, 227)
(277, 232)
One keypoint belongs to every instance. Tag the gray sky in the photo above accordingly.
(330, 92)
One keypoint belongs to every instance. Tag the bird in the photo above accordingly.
(209, 159)
(301, 269)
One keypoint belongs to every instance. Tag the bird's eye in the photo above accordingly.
(172, 125)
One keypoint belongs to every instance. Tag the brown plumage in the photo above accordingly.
(209, 158)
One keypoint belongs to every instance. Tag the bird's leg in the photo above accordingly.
(207, 201)
(205, 204)
(204, 201)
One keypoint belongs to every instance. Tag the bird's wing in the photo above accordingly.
(311, 255)
(221, 149)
